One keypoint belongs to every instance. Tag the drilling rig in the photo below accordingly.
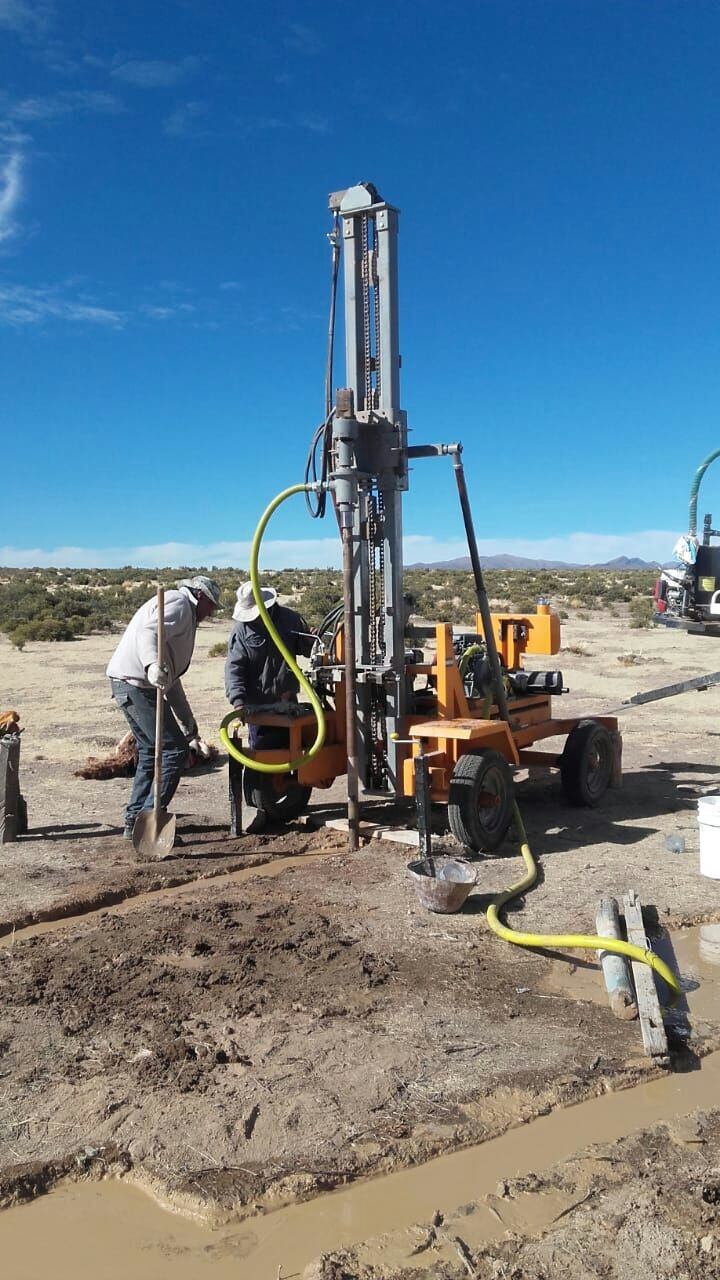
(448, 722)
(687, 594)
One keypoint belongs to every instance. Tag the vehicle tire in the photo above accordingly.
(281, 796)
(480, 800)
(586, 764)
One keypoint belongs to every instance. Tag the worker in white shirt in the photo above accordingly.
(135, 675)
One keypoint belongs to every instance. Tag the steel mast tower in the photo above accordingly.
(369, 474)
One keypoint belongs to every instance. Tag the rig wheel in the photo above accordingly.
(280, 795)
(480, 800)
(586, 764)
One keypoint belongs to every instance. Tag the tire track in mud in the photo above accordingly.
(65, 914)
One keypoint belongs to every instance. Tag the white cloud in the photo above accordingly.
(24, 17)
(52, 106)
(155, 73)
(303, 40)
(314, 123)
(184, 121)
(310, 553)
(10, 193)
(318, 551)
(272, 124)
(21, 305)
(154, 312)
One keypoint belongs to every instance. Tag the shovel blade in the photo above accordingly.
(154, 834)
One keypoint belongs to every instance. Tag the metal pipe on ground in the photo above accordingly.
(616, 971)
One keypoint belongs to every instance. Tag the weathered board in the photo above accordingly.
(651, 1019)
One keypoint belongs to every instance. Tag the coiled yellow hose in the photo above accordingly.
(289, 766)
(560, 941)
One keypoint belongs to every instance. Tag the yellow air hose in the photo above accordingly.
(289, 766)
(564, 940)
(556, 941)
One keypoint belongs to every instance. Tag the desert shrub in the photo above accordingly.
(641, 612)
(632, 659)
(218, 650)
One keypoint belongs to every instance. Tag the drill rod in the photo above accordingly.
(353, 805)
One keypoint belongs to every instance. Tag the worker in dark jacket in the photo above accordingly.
(256, 674)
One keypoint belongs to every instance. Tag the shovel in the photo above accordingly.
(154, 830)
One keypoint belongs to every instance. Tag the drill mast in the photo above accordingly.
(369, 474)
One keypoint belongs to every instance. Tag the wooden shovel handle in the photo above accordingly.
(160, 700)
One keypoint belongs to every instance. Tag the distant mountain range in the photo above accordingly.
(620, 563)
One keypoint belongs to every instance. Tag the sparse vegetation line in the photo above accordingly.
(63, 604)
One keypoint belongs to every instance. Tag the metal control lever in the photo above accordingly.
(422, 795)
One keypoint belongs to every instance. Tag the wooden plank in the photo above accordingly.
(651, 1019)
(465, 730)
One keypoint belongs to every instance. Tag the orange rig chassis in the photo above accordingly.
(468, 752)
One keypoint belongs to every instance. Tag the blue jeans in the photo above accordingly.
(138, 707)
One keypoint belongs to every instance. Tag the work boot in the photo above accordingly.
(258, 823)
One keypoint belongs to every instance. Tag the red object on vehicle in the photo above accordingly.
(660, 601)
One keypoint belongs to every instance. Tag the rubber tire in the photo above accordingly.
(586, 764)
(464, 811)
(261, 792)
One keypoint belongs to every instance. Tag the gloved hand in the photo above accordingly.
(241, 713)
(159, 676)
(200, 747)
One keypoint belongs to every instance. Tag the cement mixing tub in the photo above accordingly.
(442, 884)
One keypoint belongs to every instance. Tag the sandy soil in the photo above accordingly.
(263, 1018)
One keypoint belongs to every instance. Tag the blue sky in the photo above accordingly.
(164, 171)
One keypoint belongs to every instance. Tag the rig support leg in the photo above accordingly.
(422, 805)
(235, 788)
(617, 745)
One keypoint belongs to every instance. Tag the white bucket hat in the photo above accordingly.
(202, 585)
(246, 609)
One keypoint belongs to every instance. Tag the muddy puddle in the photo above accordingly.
(124, 1232)
(694, 953)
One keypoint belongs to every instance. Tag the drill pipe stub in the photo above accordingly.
(433, 450)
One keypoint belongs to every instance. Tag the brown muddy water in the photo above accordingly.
(113, 1230)
(694, 953)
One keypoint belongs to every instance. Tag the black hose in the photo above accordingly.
(322, 434)
(317, 504)
(330, 618)
(334, 238)
(481, 593)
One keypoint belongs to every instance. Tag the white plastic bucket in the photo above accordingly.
(709, 820)
(709, 946)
